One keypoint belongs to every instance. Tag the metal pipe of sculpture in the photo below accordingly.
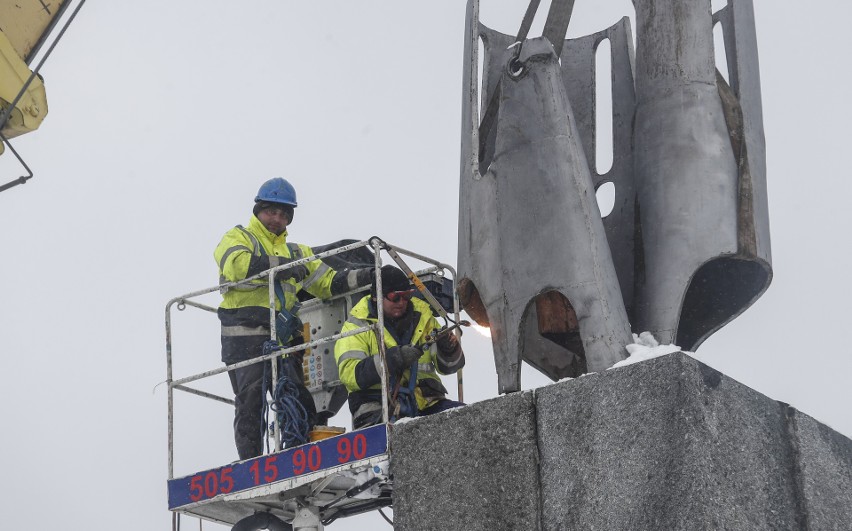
(534, 262)
(703, 251)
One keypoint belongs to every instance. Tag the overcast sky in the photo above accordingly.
(166, 116)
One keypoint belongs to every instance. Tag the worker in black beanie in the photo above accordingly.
(413, 362)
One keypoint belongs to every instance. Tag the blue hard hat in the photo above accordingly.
(277, 190)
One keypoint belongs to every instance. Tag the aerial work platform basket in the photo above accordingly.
(310, 485)
(334, 477)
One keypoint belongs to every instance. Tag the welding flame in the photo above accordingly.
(484, 330)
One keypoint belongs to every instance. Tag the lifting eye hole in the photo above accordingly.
(515, 69)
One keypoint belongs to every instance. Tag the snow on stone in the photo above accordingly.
(645, 347)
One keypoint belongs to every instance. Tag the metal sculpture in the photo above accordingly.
(533, 250)
(686, 248)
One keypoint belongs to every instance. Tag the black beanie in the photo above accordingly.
(393, 279)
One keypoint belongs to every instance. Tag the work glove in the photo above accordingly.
(448, 343)
(364, 277)
(401, 358)
(296, 273)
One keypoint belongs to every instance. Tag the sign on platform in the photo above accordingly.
(293, 462)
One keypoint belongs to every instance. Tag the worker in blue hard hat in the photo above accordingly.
(244, 311)
(415, 357)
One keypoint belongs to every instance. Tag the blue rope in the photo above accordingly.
(268, 348)
(292, 416)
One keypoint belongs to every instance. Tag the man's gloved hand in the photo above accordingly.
(297, 273)
(448, 343)
(401, 358)
(364, 277)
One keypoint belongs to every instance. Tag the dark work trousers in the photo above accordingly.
(374, 417)
(247, 384)
(442, 405)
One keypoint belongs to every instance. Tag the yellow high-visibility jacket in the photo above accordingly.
(246, 251)
(350, 351)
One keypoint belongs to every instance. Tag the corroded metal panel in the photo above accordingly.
(740, 37)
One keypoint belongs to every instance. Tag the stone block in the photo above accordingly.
(473, 468)
(669, 443)
(824, 472)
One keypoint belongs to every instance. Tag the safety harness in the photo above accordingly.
(406, 401)
(403, 399)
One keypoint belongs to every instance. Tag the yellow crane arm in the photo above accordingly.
(24, 27)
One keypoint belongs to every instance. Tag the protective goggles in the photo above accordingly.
(396, 296)
(278, 210)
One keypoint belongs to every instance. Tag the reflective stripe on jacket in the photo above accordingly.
(349, 351)
(244, 252)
